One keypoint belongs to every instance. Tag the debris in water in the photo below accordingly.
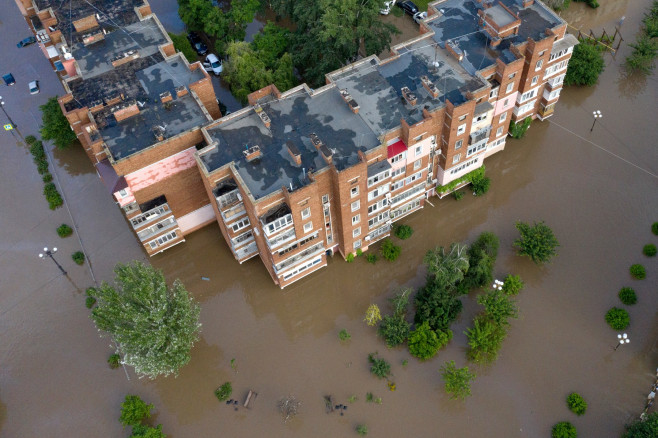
(205, 278)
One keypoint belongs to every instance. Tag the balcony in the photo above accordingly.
(242, 239)
(276, 219)
(246, 251)
(150, 216)
(280, 239)
(308, 252)
(409, 193)
(158, 228)
(227, 193)
(545, 111)
(233, 213)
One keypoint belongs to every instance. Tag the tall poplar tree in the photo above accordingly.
(154, 326)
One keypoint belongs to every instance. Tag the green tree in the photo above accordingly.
(224, 391)
(379, 367)
(484, 340)
(400, 302)
(512, 285)
(647, 428)
(394, 329)
(244, 71)
(283, 75)
(182, 45)
(498, 306)
(54, 125)
(447, 268)
(564, 429)
(144, 431)
(154, 326)
(437, 306)
(194, 12)
(373, 315)
(585, 65)
(642, 59)
(271, 43)
(537, 242)
(457, 380)
(424, 342)
(481, 259)
(617, 318)
(389, 250)
(576, 403)
(134, 410)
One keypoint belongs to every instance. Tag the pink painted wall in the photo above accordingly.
(500, 106)
(162, 169)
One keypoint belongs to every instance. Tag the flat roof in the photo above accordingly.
(294, 118)
(113, 12)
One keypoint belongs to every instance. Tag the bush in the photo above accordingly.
(480, 185)
(37, 150)
(30, 139)
(638, 272)
(457, 380)
(89, 302)
(649, 250)
(654, 228)
(144, 431)
(64, 230)
(484, 340)
(55, 126)
(403, 232)
(576, 403)
(52, 196)
(359, 252)
(537, 241)
(349, 258)
(379, 367)
(643, 56)
(362, 429)
(343, 335)
(114, 361)
(424, 342)
(518, 130)
(458, 195)
(512, 285)
(564, 429)
(389, 250)
(481, 258)
(224, 392)
(42, 166)
(46, 177)
(617, 318)
(436, 305)
(394, 329)
(643, 428)
(134, 410)
(181, 44)
(78, 257)
(371, 258)
(585, 65)
(627, 296)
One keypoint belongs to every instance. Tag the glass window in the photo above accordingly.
(306, 213)
(539, 64)
(456, 158)
(462, 118)
(417, 164)
(355, 205)
(419, 150)
(357, 244)
(499, 131)
(503, 116)
(461, 129)
(356, 232)
(325, 199)
(535, 80)
(354, 191)
(459, 144)
(356, 219)
(510, 87)
(308, 227)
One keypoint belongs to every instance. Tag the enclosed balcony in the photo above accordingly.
(276, 219)
(227, 193)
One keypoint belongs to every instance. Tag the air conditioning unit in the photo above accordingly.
(366, 238)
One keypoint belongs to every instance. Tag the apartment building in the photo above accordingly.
(302, 174)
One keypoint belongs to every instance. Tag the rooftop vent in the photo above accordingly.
(316, 141)
(294, 153)
(252, 153)
(409, 96)
(166, 97)
(158, 132)
(123, 111)
(354, 106)
(93, 37)
(181, 91)
(86, 23)
(95, 106)
(429, 86)
(454, 50)
(263, 116)
(124, 57)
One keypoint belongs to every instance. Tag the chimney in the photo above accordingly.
(527, 3)
(409, 96)
(85, 23)
(166, 97)
(123, 112)
(429, 86)
(124, 57)
(158, 132)
(252, 153)
(263, 116)
(181, 91)
(294, 153)
(351, 103)
(316, 141)
(326, 154)
(455, 51)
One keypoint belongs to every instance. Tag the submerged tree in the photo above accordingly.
(153, 325)
(585, 65)
(54, 125)
(537, 241)
(448, 268)
(373, 315)
(457, 380)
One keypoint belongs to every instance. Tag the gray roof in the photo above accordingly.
(293, 119)
(111, 12)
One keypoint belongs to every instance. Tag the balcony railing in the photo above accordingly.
(280, 239)
(229, 198)
(242, 239)
(277, 224)
(234, 212)
(318, 247)
(166, 224)
(150, 216)
(245, 251)
(402, 196)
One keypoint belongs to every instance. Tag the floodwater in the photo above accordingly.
(597, 190)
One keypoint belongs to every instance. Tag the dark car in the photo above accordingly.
(9, 79)
(197, 44)
(408, 6)
(26, 42)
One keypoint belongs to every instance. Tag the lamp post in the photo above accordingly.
(2, 105)
(597, 115)
(497, 285)
(49, 254)
(622, 339)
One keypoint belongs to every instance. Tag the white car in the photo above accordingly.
(34, 87)
(213, 63)
(387, 7)
(419, 16)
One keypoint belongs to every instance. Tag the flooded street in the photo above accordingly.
(597, 190)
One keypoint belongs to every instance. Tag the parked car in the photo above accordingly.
(387, 7)
(34, 87)
(213, 63)
(26, 42)
(9, 79)
(197, 44)
(408, 6)
(419, 16)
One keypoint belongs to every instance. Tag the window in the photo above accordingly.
(417, 164)
(458, 144)
(325, 199)
(555, 68)
(398, 157)
(306, 213)
(123, 193)
(419, 150)
(279, 223)
(162, 239)
(355, 205)
(503, 117)
(397, 185)
(554, 94)
(475, 148)
(378, 206)
(510, 87)
(357, 244)
(512, 76)
(539, 64)
(419, 138)
(493, 93)
(461, 129)
(559, 54)
(456, 158)
(463, 166)
(354, 191)
(378, 192)
(480, 117)
(243, 223)
(535, 80)
(356, 232)
(527, 96)
(506, 102)
(308, 227)
(356, 219)
(499, 131)
(462, 118)
(378, 219)
(525, 108)
(414, 177)
(397, 172)
(379, 177)
(542, 53)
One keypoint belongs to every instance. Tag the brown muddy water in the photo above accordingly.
(598, 191)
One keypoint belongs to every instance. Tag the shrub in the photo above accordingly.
(144, 431)
(64, 230)
(480, 185)
(585, 65)
(89, 302)
(389, 250)
(498, 306)
(643, 428)
(343, 335)
(576, 403)
(481, 258)
(46, 177)
(512, 285)
(30, 139)
(134, 410)
(394, 329)
(55, 126)
(437, 305)
(458, 195)
(643, 56)
(349, 258)
(457, 380)
(181, 44)
(42, 166)
(627, 296)
(617, 318)
(52, 196)
(484, 340)
(403, 232)
(424, 342)
(362, 429)
(37, 150)
(518, 130)
(78, 257)
(564, 429)
(638, 272)
(359, 252)
(649, 250)
(537, 241)
(224, 392)
(466, 178)
(114, 361)
(371, 258)
(379, 367)
(654, 228)
(373, 315)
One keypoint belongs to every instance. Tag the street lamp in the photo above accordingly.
(2, 105)
(49, 254)
(622, 339)
(497, 285)
(597, 115)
